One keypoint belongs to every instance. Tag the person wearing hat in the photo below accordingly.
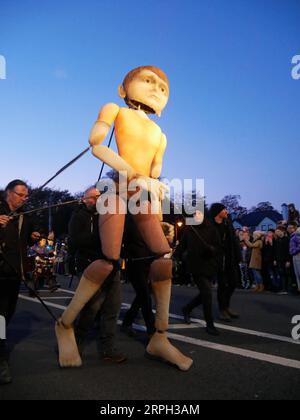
(228, 260)
(202, 244)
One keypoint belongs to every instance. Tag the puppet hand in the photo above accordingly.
(154, 186)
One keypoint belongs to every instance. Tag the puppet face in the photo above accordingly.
(147, 88)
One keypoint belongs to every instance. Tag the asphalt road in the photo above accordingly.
(254, 358)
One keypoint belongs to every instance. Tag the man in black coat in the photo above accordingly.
(202, 244)
(137, 271)
(84, 243)
(15, 234)
(282, 260)
(228, 261)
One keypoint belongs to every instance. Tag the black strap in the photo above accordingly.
(109, 144)
(200, 237)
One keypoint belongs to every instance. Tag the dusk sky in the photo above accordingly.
(233, 115)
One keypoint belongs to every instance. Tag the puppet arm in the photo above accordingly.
(106, 118)
(156, 167)
(152, 183)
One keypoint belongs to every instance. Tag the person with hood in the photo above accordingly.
(228, 260)
(295, 252)
(202, 244)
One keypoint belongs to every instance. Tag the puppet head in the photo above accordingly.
(146, 88)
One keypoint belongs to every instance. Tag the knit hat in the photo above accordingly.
(216, 209)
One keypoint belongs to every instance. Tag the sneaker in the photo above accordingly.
(113, 356)
(232, 314)
(212, 330)
(224, 316)
(5, 375)
(128, 330)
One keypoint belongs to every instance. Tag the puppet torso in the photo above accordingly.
(138, 139)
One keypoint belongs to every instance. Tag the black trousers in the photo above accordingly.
(9, 291)
(138, 273)
(227, 283)
(204, 298)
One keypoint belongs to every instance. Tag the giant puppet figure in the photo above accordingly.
(141, 146)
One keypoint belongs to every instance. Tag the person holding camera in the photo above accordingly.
(16, 233)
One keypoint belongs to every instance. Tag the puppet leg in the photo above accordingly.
(111, 229)
(160, 276)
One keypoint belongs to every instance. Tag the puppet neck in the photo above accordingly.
(138, 106)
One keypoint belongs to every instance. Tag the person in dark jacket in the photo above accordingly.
(15, 234)
(268, 269)
(228, 261)
(137, 271)
(295, 253)
(282, 260)
(202, 244)
(85, 244)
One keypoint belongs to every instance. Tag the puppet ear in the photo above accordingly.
(122, 92)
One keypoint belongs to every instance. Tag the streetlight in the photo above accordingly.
(178, 226)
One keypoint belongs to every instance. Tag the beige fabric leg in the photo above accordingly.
(150, 228)
(91, 281)
(111, 228)
(160, 276)
(159, 346)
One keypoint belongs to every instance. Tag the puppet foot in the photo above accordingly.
(67, 347)
(160, 348)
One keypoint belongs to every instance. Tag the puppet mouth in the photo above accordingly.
(139, 105)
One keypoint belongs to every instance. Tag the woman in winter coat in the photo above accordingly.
(295, 252)
(256, 259)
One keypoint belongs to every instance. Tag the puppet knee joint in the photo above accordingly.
(161, 269)
(95, 271)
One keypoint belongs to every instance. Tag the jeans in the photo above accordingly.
(138, 273)
(245, 275)
(227, 281)
(281, 279)
(257, 277)
(296, 260)
(204, 298)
